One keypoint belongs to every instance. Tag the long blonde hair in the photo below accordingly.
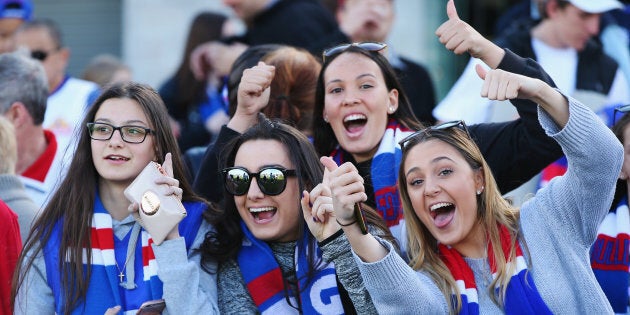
(493, 211)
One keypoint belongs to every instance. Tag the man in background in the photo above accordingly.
(23, 96)
(67, 96)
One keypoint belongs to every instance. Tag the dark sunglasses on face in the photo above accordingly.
(40, 55)
(272, 180)
(447, 125)
(369, 46)
(620, 109)
(129, 134)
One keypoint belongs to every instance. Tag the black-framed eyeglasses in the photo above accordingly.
(369, 46)
(447, 125)
(272, 180)
(620, 109)
(129, 134)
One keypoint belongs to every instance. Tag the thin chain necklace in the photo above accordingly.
(131, 252)
(121, 274)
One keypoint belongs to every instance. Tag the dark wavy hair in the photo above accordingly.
(71, 205)
(324, 139)
(226, 242)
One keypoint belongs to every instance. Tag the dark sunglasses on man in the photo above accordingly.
(41, 55)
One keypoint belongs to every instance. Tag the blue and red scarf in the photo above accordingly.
(610, 256)
(384, 176)
(521, 296)
(266, 285)
(104, 290)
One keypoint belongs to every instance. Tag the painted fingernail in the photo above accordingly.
(310, 204)
(315, 219)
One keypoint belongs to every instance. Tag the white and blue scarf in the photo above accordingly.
(104, 290)
(521, 296)
(266, 284)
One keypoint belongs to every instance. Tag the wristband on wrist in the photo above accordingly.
(359, 218)
(347, 224)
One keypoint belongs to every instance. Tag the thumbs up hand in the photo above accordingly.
(459, 37)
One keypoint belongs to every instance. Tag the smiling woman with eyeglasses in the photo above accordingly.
(110, 260)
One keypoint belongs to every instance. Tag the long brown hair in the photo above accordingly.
(207, 26)
(324, 139)
(492, 211)
(71, 206)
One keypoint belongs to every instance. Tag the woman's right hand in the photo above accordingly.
(346, 188)
(253, 96)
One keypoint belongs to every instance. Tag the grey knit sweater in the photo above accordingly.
(559, 225)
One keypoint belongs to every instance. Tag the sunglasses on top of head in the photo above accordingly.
(369, 46)
(444, 126)
(623, 109)
(272, 180)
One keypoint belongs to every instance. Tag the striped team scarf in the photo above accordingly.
(384, 176)
(610, 258)
(521, 296)
(104, 289)
(266, 284)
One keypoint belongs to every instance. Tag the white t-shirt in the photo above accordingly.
(464, 100)
(65, 110)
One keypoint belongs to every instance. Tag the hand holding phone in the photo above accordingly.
(153, 307)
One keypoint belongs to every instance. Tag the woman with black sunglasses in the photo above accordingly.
(270, 259)
(361, 112)
(470, 251)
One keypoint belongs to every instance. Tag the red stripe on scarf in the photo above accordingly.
(506, 245)
(453, 261)
(266, 286)
(101, 238)
(147, 253)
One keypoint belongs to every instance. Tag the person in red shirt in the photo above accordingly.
(10, 247)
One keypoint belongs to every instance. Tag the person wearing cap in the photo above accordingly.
(12, 14)
(562, 41)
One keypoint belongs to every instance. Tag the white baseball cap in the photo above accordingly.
(596, 6)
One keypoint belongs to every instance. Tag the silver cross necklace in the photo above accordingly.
(131, 252)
